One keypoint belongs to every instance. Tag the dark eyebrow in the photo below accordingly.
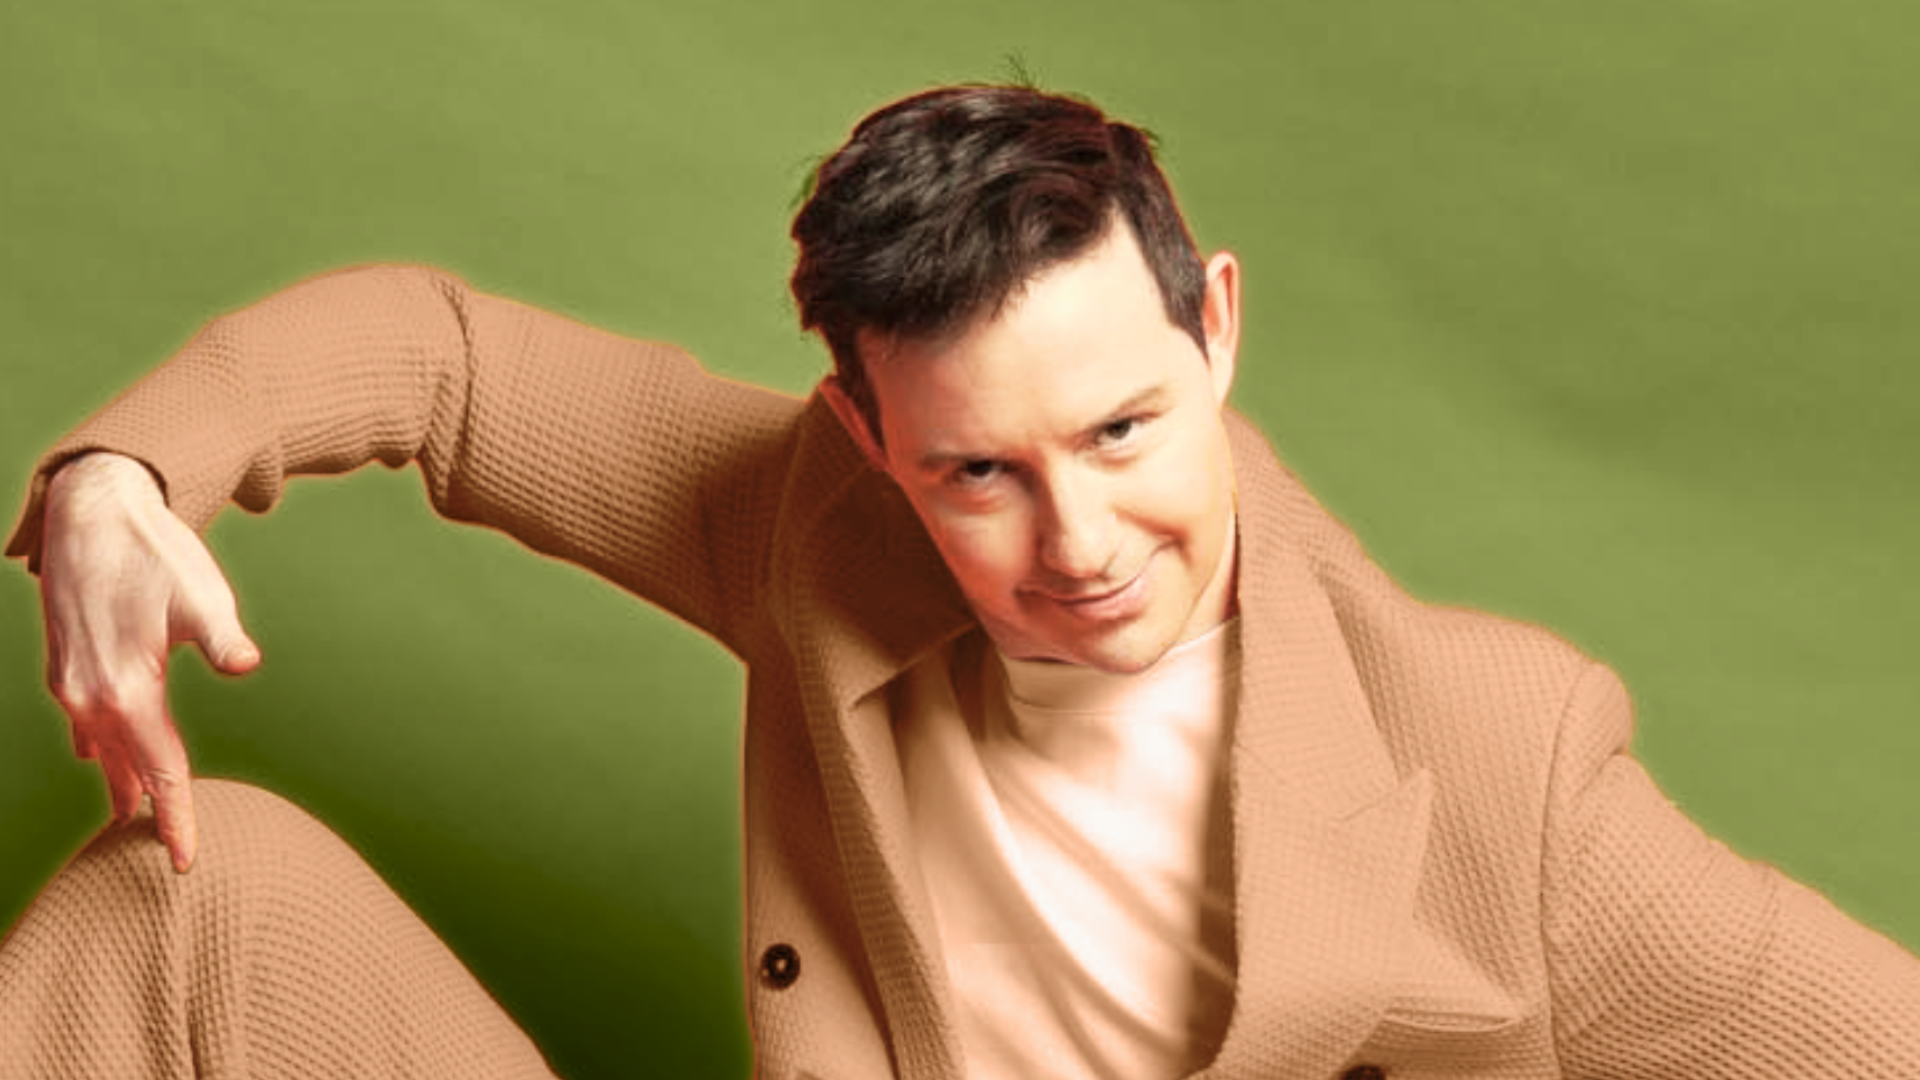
(1152, 396)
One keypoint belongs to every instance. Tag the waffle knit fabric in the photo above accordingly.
(282, 955)
(1446, 862)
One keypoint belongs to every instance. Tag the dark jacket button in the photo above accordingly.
(1365, 1072)
(779, 966)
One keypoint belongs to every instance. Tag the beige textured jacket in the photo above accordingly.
(1446, 865)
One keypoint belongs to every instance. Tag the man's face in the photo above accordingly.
(1069, 461)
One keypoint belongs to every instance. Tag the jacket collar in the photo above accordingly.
(1328, 837)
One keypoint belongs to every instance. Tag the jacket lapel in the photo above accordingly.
(1328, 838)
(868, 597)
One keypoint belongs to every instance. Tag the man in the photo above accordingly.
(1080, 741)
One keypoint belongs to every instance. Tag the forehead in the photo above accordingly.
(1078, 342)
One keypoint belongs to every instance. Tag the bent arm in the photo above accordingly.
(1673, 957)
(619, 455)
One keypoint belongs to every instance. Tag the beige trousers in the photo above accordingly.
(281, 955)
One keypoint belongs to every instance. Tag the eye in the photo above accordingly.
(973, 474)
(1120, 431)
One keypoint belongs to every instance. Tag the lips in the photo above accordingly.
(1127, 600)
(1095, 598)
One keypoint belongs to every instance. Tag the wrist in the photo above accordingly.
(100, 473)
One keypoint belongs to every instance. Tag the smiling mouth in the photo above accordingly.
(1094, 598)
(1114, 603)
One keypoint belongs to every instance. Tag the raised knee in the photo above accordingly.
(232, 815)
(241, 829)
(252, 833)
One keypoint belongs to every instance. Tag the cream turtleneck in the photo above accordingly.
(1072, 830)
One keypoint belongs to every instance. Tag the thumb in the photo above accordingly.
(230, 650)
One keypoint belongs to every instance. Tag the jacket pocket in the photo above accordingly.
(1414, 1041)
(1432, 1021)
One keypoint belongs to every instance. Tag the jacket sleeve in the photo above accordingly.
(622, 456)
(1672, 957)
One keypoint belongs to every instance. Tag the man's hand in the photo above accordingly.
(122, 579)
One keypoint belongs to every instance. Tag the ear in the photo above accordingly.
(851, 419)
(1220, 318)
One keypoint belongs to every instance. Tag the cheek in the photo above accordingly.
(987, 553)
(1180, 495)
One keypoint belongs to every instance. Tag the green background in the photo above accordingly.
(1598, 315)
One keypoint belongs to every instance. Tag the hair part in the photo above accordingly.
(942, 207)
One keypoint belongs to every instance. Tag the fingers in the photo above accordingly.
(151, 759)
(141, 754)
(123, 783)
(119, 718)
(173, 815)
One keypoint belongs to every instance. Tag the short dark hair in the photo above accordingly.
(943, 205)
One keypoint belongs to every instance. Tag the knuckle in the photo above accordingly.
(113, 762)
(112, 700)
(73, 696)
(163, 781)
(130, 694)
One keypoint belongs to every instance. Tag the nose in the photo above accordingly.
(1077, 532)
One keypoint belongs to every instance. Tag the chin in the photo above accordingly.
(1125, 650)
(1129, 660)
